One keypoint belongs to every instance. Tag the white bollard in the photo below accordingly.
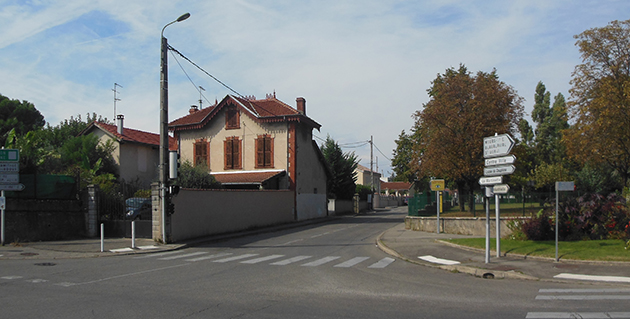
(102, 237)
(133, 234)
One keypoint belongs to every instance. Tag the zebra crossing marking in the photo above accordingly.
(321, 261)
(245, 256)
(261, 259)
(159, 254)
(352, 262)
(581, 295)
(290, 260)
(184, 255)
(593, 278)
(570, 315)
(382, 263)
(209, 257)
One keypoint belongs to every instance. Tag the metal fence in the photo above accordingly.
(37, 186)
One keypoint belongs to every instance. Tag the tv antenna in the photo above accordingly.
(115, 97)
(200, 94)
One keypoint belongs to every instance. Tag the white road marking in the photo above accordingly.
(121, 250)
(321, 261)
(11, 277)
(37, 281)
(291, 260)
(148, 247)
(69, 284)
(582, 291)
(352, 262)
(382, 263)
(261, 259)
(234, 258)
(159, 254)
(65, 284)
(583, 297)
(209, 257)
(289, 243)
(440, 261)
(570, 315)
(184, 255)
(593, 278)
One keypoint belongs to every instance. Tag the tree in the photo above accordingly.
(21, 116)
(342, 182)
(600, 99)
(196, 177)
(462, 110)
(402, 161)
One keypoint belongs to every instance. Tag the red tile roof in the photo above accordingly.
(246, 177)
(267, 110)
(395, 185)
(133, 136)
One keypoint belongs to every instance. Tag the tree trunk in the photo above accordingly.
(460, 192)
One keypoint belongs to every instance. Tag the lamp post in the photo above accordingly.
(164, 125)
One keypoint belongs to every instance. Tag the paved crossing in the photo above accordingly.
(272, 259)
(583, 296)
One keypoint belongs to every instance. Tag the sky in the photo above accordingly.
(363, 66)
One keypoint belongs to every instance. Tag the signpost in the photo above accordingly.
(496, 152)
(561, 187)
(9, 180)
(437, 185)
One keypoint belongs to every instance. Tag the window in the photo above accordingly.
(201, 153)
(264, 151)
(232, 146)
(232, 118)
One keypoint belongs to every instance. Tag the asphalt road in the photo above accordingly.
(328, 270)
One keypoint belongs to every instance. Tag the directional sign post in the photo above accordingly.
(9, 180)
(498, 145)
(561, 187)
(437, 185)
(501, 189)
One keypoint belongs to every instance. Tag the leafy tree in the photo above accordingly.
(196, 177)
(21, 116)
(32, 152)
(462, 110)
(342, 182)
(402, 161)
(600, 99)
(56, 136)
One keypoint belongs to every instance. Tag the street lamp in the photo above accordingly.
(164, 125)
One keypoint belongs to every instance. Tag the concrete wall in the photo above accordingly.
(387, 201)
(311, 178)
(345, 206)
(201, 213)
(35, 220)
(474, 226)
(311, 206)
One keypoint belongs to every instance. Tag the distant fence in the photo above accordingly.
(46, 187)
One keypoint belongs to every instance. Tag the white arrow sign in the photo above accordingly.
(12, 187)
(501, 189)
(499, 170)
(495, 146)
(491, 180)
(501, 160)
(9, 178)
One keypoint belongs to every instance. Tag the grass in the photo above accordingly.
(601, 250)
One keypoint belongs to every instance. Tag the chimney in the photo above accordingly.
(301, 105)
(119, 123)
(193, 109)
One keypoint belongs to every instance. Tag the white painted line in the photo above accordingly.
(65, 284)
(148, 247)
(127, 275)
(383, 263)
(583, 297)
(37, 281)
(184, 255)
(440, 261)
(352, 262)
(121, 250)
(209, 257)
(593, 278)
(11, 277)
(234, 258)
(571, 315)
(261, 259)
(291, 260)
(582, 291)
(321, 261)
(159, 254)
(289, 243)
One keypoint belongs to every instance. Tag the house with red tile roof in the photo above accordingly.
(136, 152)
(249, 143)
(367, 177)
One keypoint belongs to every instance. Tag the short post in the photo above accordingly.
(102, 237)
(498, 223)
(487, 198)
(437, 205)
(557, 207)
(2, 230)
(133, 234)
(561, 187)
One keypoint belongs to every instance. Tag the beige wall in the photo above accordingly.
(311, 179)
(201, 213)
(363, 178)
(216, 134)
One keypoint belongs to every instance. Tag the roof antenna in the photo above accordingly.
(200, 89)
(115, 97)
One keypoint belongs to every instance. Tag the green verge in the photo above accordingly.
(601, 250)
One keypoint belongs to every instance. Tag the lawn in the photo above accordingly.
(602, 250)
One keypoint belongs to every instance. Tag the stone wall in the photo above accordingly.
(474, 226)
(41, 220)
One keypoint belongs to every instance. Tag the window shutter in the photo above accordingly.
(236, 152)
(228, 153)
(260, 151)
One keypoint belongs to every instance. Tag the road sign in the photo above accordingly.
(499, 170)
(565, 186)
(9, 155)
(510, 159)
(501, 189)
(437, 185)
(9, 167)
(490, 180)
(489, 191)
(499, 145)
(3, 202)
(9, 178)
(12, 187)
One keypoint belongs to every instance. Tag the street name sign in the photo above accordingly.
(510, 159)
(9, 178)
(565, 186)
(9, 155)
(499, 170)
(12, 187)
(9, 167)
(490, 180)
(501, 188)
(496, 146)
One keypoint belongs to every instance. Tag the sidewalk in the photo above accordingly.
(410, 245)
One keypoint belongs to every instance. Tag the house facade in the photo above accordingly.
(368, 178)
(247, 143)
(136, 152)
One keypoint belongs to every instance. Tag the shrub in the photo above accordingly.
(539, 227)
(195, 177)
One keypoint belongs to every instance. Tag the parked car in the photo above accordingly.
(137, 206)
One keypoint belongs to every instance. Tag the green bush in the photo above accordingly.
(196, 177)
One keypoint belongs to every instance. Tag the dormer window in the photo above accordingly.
(232, 118)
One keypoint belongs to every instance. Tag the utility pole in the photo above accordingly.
(116, 97)
(372, 163)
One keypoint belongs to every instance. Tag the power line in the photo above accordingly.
(198, 88)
